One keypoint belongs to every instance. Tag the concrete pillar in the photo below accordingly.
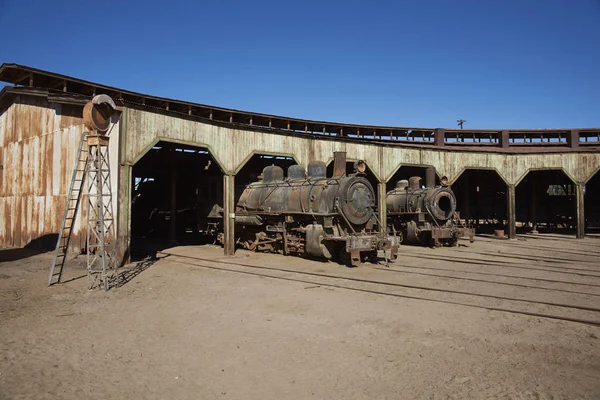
(580, 211)
(229, 214)
(512, 218)
(533, 205)
(381, 189)
(173, 214)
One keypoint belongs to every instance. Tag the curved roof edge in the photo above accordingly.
(526, 140)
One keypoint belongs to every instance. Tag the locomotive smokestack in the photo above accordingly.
(430, 178)
(339, 163)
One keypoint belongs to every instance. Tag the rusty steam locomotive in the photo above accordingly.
(312, 214)
(425, 216)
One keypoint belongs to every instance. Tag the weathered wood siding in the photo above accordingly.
(233, 147)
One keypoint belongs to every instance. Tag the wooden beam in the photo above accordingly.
(512, 216)
(229, 214)
(580, 211)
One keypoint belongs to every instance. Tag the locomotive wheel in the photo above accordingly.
(250, 245)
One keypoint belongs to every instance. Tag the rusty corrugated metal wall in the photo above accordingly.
(38, 146)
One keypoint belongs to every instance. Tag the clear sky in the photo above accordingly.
(495, 63)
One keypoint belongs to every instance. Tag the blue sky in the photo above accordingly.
(497, 64)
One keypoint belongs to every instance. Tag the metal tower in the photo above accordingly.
(100, 222)
(101, 263)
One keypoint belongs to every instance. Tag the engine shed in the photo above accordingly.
(176, 163)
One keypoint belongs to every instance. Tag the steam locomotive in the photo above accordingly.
(312, 214)
(425, 216)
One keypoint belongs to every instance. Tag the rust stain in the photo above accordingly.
(16, 227)
(2, 171)
(46, 165)
(28, 140)
(63, 160)
(49, 216)
(10, 126)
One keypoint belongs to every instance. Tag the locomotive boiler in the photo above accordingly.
(425, 216)
(312, 214)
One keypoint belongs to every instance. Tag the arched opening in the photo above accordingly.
(592, 205)
(546, 203)
(174, 191)
(482, 200)
(408, 171)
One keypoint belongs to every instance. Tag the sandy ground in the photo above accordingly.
(489, 320)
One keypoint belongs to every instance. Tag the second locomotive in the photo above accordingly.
(425, 216)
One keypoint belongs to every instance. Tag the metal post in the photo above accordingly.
(439, 137)
(580, 211)
(573, 138)
(533, 204)
(504, 139)
(229, 214)
(466, 197)
(381, 188)
(512, 219)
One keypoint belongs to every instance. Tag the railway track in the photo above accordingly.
(548, 248)
(529, 307)
(517, 256)
(466, 260)
(488, 281)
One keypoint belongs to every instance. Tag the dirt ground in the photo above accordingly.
(490, 320)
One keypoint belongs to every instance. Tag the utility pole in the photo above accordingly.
(461, 122)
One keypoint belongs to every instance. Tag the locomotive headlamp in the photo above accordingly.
(444, 181)
(360, 166)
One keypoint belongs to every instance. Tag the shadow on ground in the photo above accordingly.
(130, 272)
(36, 246)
